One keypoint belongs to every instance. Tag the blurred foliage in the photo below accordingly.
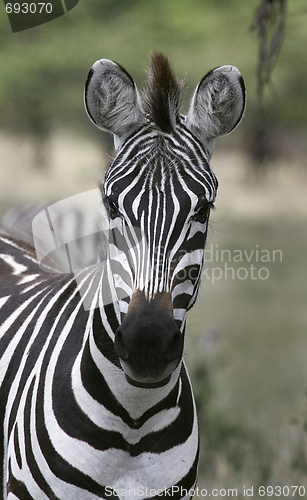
(241, 447)
(43, 69)
(299, 458)
(269, 24)
(248, 366)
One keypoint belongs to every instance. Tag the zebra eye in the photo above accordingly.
(111, 207)
(201, 215)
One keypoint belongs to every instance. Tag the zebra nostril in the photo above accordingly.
(174, 348)
(119, 345)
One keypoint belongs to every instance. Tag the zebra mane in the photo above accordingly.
(162, 98)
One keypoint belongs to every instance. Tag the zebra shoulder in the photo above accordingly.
(17, 258)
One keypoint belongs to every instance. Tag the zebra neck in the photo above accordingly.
(98, 380)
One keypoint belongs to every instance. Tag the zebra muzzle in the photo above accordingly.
(149, 342)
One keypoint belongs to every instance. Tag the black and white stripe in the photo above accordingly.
(95, 397)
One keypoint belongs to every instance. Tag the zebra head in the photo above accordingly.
(158, 191)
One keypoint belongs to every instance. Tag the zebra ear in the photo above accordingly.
(112, 99)
(217, 105)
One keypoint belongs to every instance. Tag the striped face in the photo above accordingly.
(160, 189)
(158, 192)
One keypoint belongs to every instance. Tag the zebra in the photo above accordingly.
(78, 221)
(96, 401)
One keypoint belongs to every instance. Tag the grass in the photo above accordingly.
(246, 351)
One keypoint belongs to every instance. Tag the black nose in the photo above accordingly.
(148, 342)
(157, 342)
